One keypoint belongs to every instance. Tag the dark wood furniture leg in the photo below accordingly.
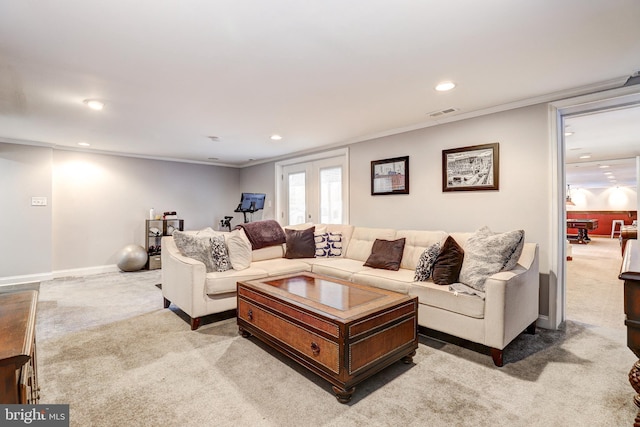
(531, 329)
(496, 355)
(195, 323)
(408, 358)
(343, 396)
(167, 303)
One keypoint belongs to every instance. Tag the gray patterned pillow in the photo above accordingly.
(487, 253)
(220, 254)
(196, 246)
(425, 263)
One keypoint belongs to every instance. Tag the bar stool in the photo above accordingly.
(613, 226)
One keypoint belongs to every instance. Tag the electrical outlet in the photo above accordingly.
(38, 201)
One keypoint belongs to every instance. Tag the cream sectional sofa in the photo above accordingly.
(511, 297)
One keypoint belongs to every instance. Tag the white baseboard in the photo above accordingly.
(73, 272)
(27, 278)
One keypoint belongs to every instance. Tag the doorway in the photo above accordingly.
(313, 189)
(563, 113)
(600, 169)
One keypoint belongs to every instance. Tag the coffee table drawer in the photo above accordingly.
(320, 350)
(290, 312)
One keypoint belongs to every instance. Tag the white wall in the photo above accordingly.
(101, 202)
(259, 179)
(604, 199)
(97, 205)
(523, 201)
(25, 245)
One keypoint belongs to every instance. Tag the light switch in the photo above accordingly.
(38, 201)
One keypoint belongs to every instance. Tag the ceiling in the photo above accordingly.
(609, 142)
(320, 73)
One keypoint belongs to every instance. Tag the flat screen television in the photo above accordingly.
(252, 201)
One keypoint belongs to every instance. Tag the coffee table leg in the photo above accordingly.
(343, 396)
(243, 332)
(408, 358)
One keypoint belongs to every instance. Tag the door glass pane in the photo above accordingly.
(297, 197)
(331, 195)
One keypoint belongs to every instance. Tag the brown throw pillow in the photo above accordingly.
(386, 254)
(300, 243)
(446, 270)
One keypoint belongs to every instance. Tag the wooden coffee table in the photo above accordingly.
(340, 330)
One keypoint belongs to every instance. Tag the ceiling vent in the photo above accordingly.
(436, 114)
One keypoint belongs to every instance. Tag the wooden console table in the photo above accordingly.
(630, 273)
(627, 232)
(18, 374)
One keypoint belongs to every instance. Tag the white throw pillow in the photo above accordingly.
(487, 253)
(328, 244)
(239, 249)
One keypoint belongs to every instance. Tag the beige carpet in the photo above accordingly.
(594, 292)
(108, 348)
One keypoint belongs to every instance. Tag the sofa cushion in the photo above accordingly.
(300, 243)
(270, 252)
(342, 268)
(197, 246)
(416, 242)
(446, 269)
(441, 297)
(397, 281)
(225, 282)
(275, 267)
(487, 253)
(386, 254)
(239, 249)
(425, 264)
(362, 239)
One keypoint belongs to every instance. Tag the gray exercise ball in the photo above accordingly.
(131, 258)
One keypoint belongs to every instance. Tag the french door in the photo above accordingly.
(314, 191)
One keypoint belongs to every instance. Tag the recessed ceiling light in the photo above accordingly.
(585, 156)
(608, 173)
(445, 86)
(276, 137)
(94, 104)
(568, 133)
(611, 177)
(603, 166)
(84, 144)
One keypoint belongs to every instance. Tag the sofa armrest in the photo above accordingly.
(512, 299)
(183, 279)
